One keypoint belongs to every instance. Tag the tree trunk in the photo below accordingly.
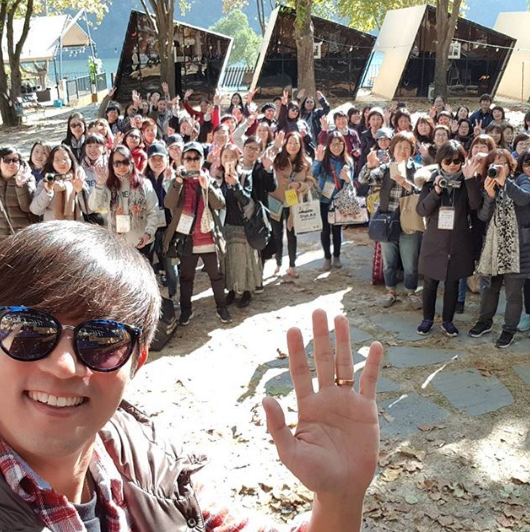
(10, 93)
(164, 12)
(304, 46)
(445, 30)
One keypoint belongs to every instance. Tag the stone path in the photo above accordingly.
(448, 378)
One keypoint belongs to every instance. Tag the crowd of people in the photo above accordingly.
(180, 183)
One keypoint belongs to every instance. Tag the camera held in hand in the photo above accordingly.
(190, 174)
(494, 170)
(52, 178)
(449, 183)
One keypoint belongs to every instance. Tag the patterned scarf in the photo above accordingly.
(500, 253)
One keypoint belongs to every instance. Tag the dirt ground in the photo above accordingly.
(206, 386)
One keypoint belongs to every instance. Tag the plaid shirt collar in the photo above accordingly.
(54, 509)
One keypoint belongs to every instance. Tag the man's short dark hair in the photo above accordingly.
(82, 271)
(485, 97)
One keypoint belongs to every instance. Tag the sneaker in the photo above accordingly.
(524, 323)
(448, 327)
(425, 327)
(230, 297)
(388, 300)
(245, 300)
(224, 315)
(326, 267)
(337, 263)
(504, 340)
(259, 289)
(479, 329)
(185, 317)
(415, 302)
(459, 309)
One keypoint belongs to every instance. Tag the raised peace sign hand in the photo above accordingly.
(477, 129)
(335, 447)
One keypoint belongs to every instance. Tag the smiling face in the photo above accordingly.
(424, 129)
(61, 162)
(121, 165)
(149, 134)
(29, 389)
(158, 163)
(375, 122)
(464, 129)
(133, 139)
(440, 137)
(402, 151)
(39, 156)
(293, 145)
(94, 151)
(337, 147)
(77, 127)
(497, 114)
(9, 165)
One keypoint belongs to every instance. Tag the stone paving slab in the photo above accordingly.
(408, 413)
(383, 385)
(469, 391)
(404, 324)
(523, 370)
(411, 357)
(520, 346)
(357, 336)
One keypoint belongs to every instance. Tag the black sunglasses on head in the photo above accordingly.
(28, 334)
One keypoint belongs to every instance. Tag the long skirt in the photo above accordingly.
(243, 267)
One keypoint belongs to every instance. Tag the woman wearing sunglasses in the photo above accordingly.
(76, 135)
(133, 140)
(63, 193)
(446, 201)
(17, 186)
(505, 257)
(129, 199)
(68, 351)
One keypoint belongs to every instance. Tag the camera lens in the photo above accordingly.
(493, 172)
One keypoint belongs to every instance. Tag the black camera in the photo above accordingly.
(51, 178)
(493, 171)
(189, 174)
(449, 183)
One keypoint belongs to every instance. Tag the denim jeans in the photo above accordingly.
(408, 248)
(462, 290)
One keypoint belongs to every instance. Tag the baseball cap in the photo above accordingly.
(157, 148)
(174, 139)
(384, 133)
(194, 146)
(269, 105)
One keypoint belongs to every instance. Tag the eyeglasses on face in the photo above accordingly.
(526, 163)
(135, 137)
(28, 335)
(11, 160)
(252, 148)
(63, 160)
(120, 162)
(76, 125)
(191, 159)
(452, 161)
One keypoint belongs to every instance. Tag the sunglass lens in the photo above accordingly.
(104, 345)
(26, 335)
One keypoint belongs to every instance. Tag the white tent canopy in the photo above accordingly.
(46, 35)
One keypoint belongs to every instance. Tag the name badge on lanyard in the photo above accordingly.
(446, 218)
(123, 223)
(185, 223)
(328, 189)
(160, 218)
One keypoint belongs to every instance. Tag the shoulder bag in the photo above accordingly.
(384, 226)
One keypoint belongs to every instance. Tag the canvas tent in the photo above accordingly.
(47, 36)
(515, 81)
(407, 41)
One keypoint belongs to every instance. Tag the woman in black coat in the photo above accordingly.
(447, 248)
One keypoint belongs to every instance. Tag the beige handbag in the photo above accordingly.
(409, 219)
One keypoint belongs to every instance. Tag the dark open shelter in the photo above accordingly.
(200, 58)
(341, 56)
(478, 57)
